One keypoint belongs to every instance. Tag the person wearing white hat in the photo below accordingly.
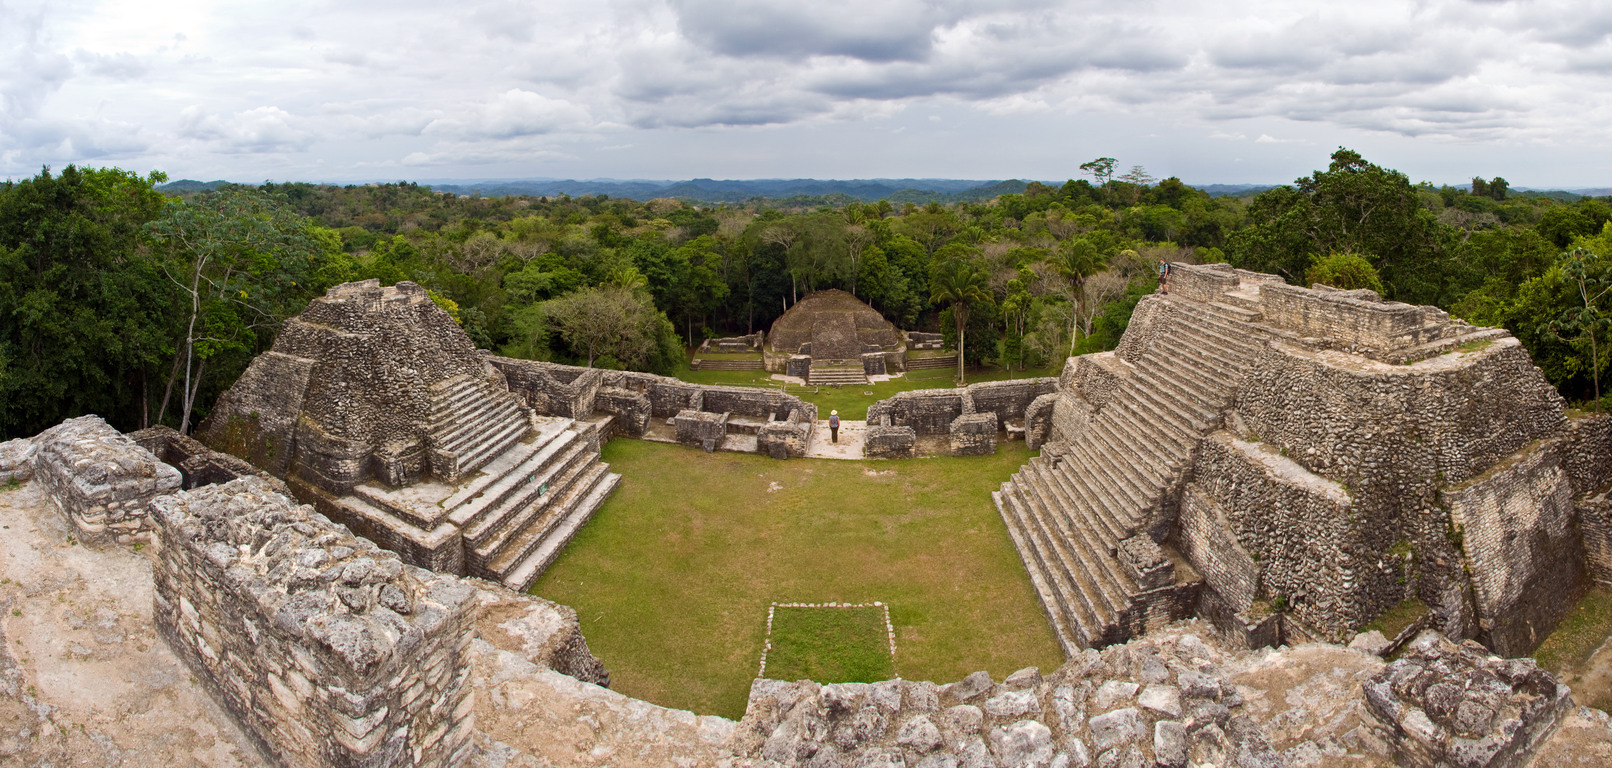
(833, 426)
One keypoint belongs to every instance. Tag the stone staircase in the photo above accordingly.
(471, 422)
(1068, 509)
(517, 514)
(836, 375)
(700, 364)
(921, 363)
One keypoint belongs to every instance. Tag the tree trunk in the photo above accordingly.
(167, 393)
(190, 398)
(961, 317)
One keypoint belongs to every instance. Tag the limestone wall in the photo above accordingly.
(551, 389)
(1352, 320)
(1516, 527)
(102, 480)
(199, 465)
(1147, 322)
(1009, 400)
(17, 460)
(325, 649)
(1301, 532)
(927, 411)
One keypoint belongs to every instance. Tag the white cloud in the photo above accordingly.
(301, 88)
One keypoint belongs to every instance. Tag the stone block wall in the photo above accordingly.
(1301, 532)
(786, 439)
(102, 480)
(921, 340)
(701, 429)
(1588, 453)
(927, 411)
(1516, 526)
(1448, 704)
(1038, 420)
(324, 648)
(256, 418)
(1354, 321)
(1147, 322)
(1202, 282)
(885, 442)
(1070, 413)
(1009, 400)
(552, 389)
(1595, 525)
(198, 464)
(974, 434)
(632, 409)
(17, 460)
(748, 343)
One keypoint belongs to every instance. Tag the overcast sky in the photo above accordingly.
(1249, 92)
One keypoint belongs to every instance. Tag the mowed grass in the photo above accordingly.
(672, 578)
(850, 401)
(830, 645)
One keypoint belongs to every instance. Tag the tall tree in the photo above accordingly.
(1587, 277)
(1101, 169)
(243, 262)
(1076, 260)
(962, 284)
(84, 311)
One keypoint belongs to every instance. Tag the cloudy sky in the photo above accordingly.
(1244, 92)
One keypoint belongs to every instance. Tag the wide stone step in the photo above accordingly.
(1129, 440)
(455, 435)
(1080, 598)
(522, 575)
(516, 508)
(726, 365)
(1125, 464)
(479, 454)
(1054, 603)
(1081, 509)
(523, 530)
(1110, 495)
(923, 363)
(1162, 420)
(1092, 568)
(472, 512)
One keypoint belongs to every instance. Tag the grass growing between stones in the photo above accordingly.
(1571, 651)
(673, 576)
(830, 645)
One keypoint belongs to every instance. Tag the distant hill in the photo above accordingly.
(741, 190)
(189, 186)
(1234, 190)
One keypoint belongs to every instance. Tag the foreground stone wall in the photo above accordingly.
(1448, 704)
(100, 478)
(326, 649)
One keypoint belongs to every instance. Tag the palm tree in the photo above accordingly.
(1075, 260)
(962, 284)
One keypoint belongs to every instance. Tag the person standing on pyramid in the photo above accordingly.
(833, 426)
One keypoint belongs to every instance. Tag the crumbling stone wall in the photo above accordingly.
(1009, 400)
(1038, 419)
(786, 439)
(632, 409)
(1394, 435)
(1148, 320)
(197, 464)
(1352, 321)
(17, 460)
(974, 434)
(1515, 524)
(927, 411)
(102, 480)
(701, 429)
(887, 442)
(326, 649)
(1258, 526)
(1448, 704)
(552, 389)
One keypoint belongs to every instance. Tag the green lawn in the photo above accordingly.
(830, 645)
(849, 401)
(673, 576)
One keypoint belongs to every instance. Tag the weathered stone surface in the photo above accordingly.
(1024, 744)
(974, 434)
(1444, 703)
(102, 480)
(258, 594)
(1170, 743)
(1117, 728)
(17, 460)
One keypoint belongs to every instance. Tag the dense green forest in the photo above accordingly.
(120, 300)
